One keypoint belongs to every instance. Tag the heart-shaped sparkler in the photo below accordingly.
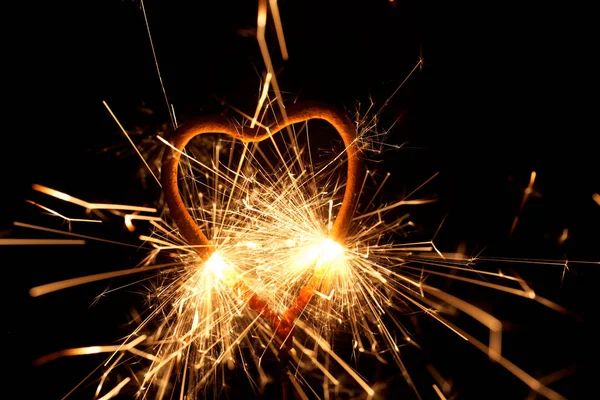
(282, 323)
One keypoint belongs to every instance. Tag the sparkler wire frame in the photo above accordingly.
(298, 113)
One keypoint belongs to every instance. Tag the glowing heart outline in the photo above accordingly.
(299, 113)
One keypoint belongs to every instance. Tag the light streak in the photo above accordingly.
(563, 236)
(527, 192)
(41, 228)
(162, 85)
(129, 218)
(57, 214)
(53, 287)
(279, 28)
(38, 242)
(127, 135)
(264, 50)
(80, 351)
(263, 97)
(439, 392)
(115, 391)
(90, 206)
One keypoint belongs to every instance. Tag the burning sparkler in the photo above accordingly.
(247, 288)
(269, 252)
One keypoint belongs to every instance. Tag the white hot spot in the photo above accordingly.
(221, 269)
(325, 256)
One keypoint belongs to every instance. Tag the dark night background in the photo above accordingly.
(501, 93)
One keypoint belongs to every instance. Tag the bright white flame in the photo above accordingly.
(330, 252)
(324, 256)
(221, 269)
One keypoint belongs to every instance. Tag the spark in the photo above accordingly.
(380, 210)
(527, 192)
(445, 384)
(57, 214)
(492, 323)
(279, 28)
(127, 135)
(439, 392)
(264, 50)
(41, 228)
(38, 242)
(85, 204)
(554, 377)
(162, 85)
(115, 391)
(80, 351)
(105, 375)
(263, 97)
(174, 116)
(68, 283)
(129, 218)
(565, 269)
(563, 236)
(384, 105)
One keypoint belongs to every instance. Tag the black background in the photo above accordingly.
(501, 93)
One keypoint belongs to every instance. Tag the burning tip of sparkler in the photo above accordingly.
(331, 250)
(325, 255)
(221, 269)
